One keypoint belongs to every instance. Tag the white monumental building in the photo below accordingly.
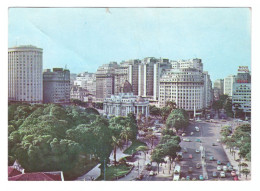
(125, 103)
(25, 82)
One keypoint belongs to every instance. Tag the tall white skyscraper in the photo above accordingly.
(25, 74)
(228, 85)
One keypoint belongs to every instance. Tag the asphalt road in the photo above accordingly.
(208, 134)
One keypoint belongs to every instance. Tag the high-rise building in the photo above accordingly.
(218, 88)
(87, 81)
(228, 85)
(184, 86)
(25, 74)
(242, 90)
(105, 77)
(56, 86)
(208, 92)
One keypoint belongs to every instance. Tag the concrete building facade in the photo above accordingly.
(242, 89)
(25, 82)
(56, 86)
(228, 85)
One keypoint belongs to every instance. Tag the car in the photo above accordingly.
(151, 173)
(187, 177)
(191, 133)
(197, 151)
(230, 168)
(228, 164)
(183, 178)
(190, 170)
(213, 144)
(214, 174)
(185, 150)
(186, 140)
(218, 140)
(236, 178)
(233, 173)
(190, 156)
(211, 158)
(224, 120)
(198, 140)
(218, 162)
(198, 165)
(194, 178)
(201, 177)
(225, 168)
(219, 168)
(198, 120)
(140, 177)
(203, 155)
(222, 174)
(183, 134)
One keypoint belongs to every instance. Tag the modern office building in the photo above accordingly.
(126, 102)
(56, 86)
(242, 90)
(228, 85)
(25, 82)
(87, 81)
(105, 77)
(208, 91)
(218, 88)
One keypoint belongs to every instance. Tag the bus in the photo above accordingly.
(177, 173)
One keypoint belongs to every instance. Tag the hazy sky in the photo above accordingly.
(85, 38)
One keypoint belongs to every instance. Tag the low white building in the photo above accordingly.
(125, 103)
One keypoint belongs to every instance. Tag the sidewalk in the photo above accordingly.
(235, 163)
(95, 172)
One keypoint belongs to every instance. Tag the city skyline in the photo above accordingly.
(85, 38)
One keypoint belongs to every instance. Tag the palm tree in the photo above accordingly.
(125, 134)
(116, 143)
(245, 171)
(144, 149)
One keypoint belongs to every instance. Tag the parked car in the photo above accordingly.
(198, 140)
(219, 162)
(230, 168)
(197, 151)
(183, 134)
(187, 177)
(211, 158)
(198, 165)
(218, 140)
(186, 140)
(203, 155)
(214, 174)
(213, 144)
(219, 168)
(151, 173)
(228, 164)
(233, 173)
(222, 174)
(185, 150)
(190, 156)
(201, 177)
(140, 177)
(190, 170)
(225, 168)
(191, 133)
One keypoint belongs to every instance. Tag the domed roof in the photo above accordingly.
(140, 99)
(127, 87)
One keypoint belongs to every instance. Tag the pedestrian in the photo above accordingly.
(163, 171)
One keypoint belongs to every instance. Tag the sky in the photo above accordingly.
(82, 39)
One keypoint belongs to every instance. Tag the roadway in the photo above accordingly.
(208, 134)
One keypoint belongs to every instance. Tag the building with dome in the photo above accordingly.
(126, 102)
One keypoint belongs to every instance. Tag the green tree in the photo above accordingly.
(158, 157)
(245, 171)
(116, 143)
(143, 149)
(177, 119)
